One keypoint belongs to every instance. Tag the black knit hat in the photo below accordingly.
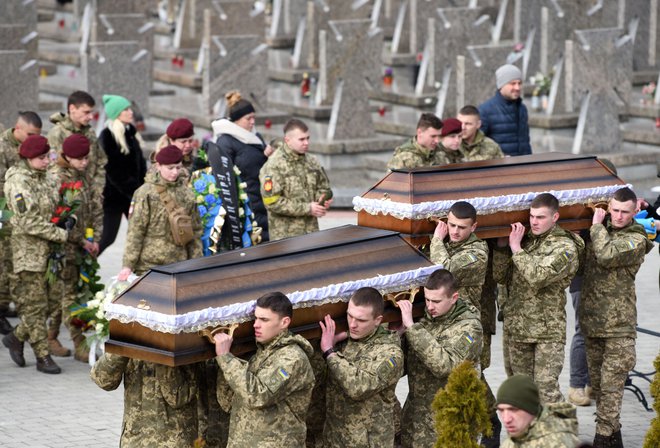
(240, 109)
(520, 391)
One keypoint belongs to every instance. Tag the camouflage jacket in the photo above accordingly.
(413, 155)
(32, 195)
(160, 402)
(608, 306)
(271, 393)
(89, 213)
(482, 148)
(289, 183)
(536, 278)
(447, 156)
(360, 396)
(64, 127)
(149, 240)
(434, 346)
(8, 155)
(556, 427)
(468, 261)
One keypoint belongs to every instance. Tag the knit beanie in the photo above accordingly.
(520, 391)
(450, 126)
(75, 146)
(505, 74)
(180, 128)
(34, 146)
(114, 105)
(240, 109)
(169, 155)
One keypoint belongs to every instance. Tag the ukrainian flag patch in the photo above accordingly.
(565, 255)
(392, 362)
(283, 373)
(468, 338)
(631, 244)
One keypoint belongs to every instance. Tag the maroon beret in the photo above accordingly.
(34, 146)
(451, 126)
(75, 146)
(180, 128)
(169, 155)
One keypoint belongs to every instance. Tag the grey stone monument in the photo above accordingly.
(644, 16)
(120, 68)
(19, 12)
(20, 84)
(20, 37)
(286, 15)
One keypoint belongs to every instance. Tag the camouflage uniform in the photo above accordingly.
(316, 412)
(434, 347)
(63, 128)
(608, 314)
(482, 148)
(413, 155)
(213, 418)
(89, 214)
(8, 157)
(362, 378)
(556, 427)
(160, 402)
(467, 261)
(271, 393)
(447, 156)
(289, 183)
(32, 195)
(535, 314)
(149, 240)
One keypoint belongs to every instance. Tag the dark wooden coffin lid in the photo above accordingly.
(315, 260)
(498, 177)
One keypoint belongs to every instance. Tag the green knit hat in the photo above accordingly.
(114, 105)
(520, 391)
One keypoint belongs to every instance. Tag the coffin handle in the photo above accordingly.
(600, 204)
(395, 297)
(208, 333)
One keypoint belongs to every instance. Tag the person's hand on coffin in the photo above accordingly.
(124, 274)
(406, 313)
(599, 215)
(328, 334)
(441, 230)
(222, 343)
(516, 236)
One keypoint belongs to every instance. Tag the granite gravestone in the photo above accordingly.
(644, 16)
(20, 37)
(350, 54)
(601, 87)
(19, 12)
(20, 78)
(450, 32)
(475, 72)
(286, 15)
(119, 68)
(123, 6)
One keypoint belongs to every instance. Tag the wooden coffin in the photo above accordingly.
(409, 201)
(161, 316)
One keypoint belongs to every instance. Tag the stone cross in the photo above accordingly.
(20, 85)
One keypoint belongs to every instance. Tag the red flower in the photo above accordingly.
(55, 219)
(78, 185)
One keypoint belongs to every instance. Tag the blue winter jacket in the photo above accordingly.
(506, 122)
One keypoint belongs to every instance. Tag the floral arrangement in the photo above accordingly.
(66, 207)
(88, 267)
(541, 83)
(212, 213)
(5, 214)
(649, 92)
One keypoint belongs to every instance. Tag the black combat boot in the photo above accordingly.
(601, 441)
(494, 440)
(5, 326)
(615, 440)
(15, 348)
(47, 365)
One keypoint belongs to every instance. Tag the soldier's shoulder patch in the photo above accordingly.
(563, 260)
(466, 259)
(387, 367)
(268, 184)
(20, 203)
(466, 340)
(277, 379)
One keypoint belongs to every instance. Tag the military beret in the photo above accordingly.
(169, 155)
(34, 146)
(451, 126)
(75, 146)
(180, 128)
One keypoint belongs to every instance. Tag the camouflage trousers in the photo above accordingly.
(213, 421)
(505, 353)
(7, 277)
(543, 362)
(65, 291)
(610, 360)
(35, 304)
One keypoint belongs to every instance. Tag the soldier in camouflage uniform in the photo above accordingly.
(272, 391)
(149, 239)
(294, 187)
(363, 371)
(449, 148)
(475, 145)
(608, 311)
(71, 167)
(422, 149)
(80, 108)
(28, 123)
(448, 334)
(160, 402)
(32, 194)
(531, 425)
(537, 270)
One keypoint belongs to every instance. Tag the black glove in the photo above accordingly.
(67, 223)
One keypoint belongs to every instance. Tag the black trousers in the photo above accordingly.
(112, 213)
